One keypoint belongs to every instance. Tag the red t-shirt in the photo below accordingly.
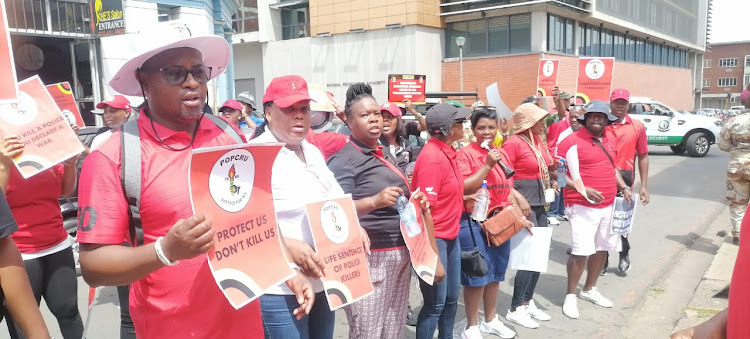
(436, 174)
(329, 143)
(181, 301)
(630, 136)
(739, 291)
(34, 204)
(553, 132)
(471, 158)
(522, 158)
(596, 169)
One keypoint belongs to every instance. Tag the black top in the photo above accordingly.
(362, 175)
(403, 153)
(7, 223)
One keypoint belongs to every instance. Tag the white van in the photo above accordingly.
(665, 126)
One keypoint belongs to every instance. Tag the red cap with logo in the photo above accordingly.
(118, 101)
(232, 104)
(620, 94)
(286, 91)
(391, 108)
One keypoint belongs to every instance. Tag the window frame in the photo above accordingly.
(450, 42)
(728, 62)
(727, 82)
(706, 61)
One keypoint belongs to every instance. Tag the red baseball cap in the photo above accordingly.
(231, 103)
(286, 91)
(118, 101)
(620, 93)
(391, 108)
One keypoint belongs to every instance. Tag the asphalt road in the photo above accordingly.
(686, 196)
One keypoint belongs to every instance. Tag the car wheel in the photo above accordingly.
(679, 149)
(697, 145)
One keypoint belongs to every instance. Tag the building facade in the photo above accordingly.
(57, 40)
(656, 44)
(726, 72)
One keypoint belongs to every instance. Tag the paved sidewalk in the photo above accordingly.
(703, 305)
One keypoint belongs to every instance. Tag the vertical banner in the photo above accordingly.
(336, 233)
(407, 86)
(231, 186)
(623, 214)
(48, 138)
(594, 79)
(8, 82)
(546, 78)
(64, 99)
(423, 257)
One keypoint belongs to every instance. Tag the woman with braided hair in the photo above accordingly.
(375, 183)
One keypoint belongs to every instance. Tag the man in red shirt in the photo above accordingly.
(173, 294)
(590, 215)
(630, 137)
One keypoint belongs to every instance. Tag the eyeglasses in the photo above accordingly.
(176, 75)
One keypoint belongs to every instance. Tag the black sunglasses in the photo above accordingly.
(176, 75)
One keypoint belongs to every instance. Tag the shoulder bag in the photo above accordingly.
(504, 224)
(473, 262)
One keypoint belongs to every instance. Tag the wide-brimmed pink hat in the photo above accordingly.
(214, 50)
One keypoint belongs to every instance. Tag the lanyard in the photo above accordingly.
(378, 154)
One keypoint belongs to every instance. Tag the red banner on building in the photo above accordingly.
(338, 241)
(48, 138)
(407, 86)
(231, 186)
(8, 82)
(64, 99)
(594, 79)
(546, 79)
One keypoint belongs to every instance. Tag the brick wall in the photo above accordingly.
(714, 72)
(340, 16)
(516, 77)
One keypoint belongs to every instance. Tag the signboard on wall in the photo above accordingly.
(107, 17)
(407, 86)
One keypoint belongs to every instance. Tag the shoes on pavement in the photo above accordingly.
(522, 317)
(624, 264)
(553, 221)
(411, 317)
(595, 297)
(536, 313)
(497, 328)
(722, 233)
(736, 240)
(472, 333)
(605, 268)
(569, 251)
(562, 217)
(570, 306)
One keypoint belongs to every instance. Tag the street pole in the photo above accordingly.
(461, 66)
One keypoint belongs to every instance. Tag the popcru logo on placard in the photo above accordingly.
(23, 113)
(231, 180)
(334, 221)
(594, 69)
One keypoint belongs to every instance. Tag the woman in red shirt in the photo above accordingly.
(478, 164)
(41, 237)
(533, 164)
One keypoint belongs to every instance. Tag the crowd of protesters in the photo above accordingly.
(166, 287)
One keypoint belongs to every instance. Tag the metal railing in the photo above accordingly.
(70, 18)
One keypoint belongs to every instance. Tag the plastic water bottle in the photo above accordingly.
(482, 204)
(561, 181)
(408, 216)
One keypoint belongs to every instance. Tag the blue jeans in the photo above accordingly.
(279, 322)
(557, 207)
(441, 300)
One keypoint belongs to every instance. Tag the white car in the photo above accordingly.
(689, 133)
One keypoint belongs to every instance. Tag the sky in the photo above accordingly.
(729, 21)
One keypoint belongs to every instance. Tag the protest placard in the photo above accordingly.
(64, 99)
(47, 137)
(423, 257)
(231, 186)
(338, 241)
(530, 252)
(594, 79)
(407, 86)
(546, 79)
(494, 100)
(623, 214)
(8, 82)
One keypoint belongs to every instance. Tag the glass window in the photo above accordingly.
(649, 52)
(706, 82)
(606, 46)
(727, 82)
(629, 49)
(498, 35)
(455, 30)
(747, 60)
(592, 40)
(295, 22)
(520, 33)
(559, 34)
(619, 42)
(166, 13)
(640, 50)
(664, 55)
(581, 43)
(728, 62)
(246, 18)
(476, 41)
(706, 63)
(657, 54)
(569, 36)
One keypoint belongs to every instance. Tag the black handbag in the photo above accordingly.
(473, 263)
